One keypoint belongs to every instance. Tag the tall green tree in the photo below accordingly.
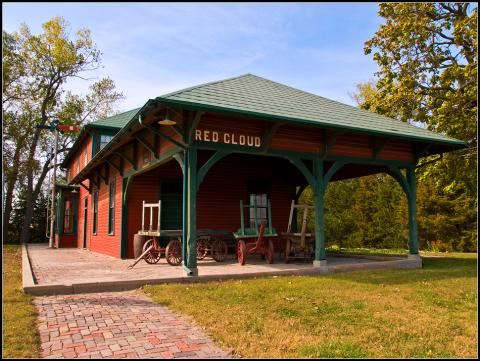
(35, 71)
(428, 59)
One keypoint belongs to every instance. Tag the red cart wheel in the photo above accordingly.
(269, 252)
(219, 250)
(173, 252)
(241, 252)
(154, 255)
(203, 244)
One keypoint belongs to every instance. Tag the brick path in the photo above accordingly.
(117, 325)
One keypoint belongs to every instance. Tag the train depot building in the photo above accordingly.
(222, 159)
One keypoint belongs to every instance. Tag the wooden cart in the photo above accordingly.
(208, 241)
(299, 245)
(257, 239)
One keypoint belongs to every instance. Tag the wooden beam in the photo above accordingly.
(194, 125)
(147, 145)
(128, 159)
(268, 137)
(100, 175)
(209, 164)
(93, 181)
(87, 188)
(177, 130)
(117, 167)
(329, 142)
(378, 146)
(154, 130)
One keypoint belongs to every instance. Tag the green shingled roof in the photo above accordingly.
(116, 121)
(251, 94)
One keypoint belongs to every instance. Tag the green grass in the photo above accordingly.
(20, 336)
(429, 312)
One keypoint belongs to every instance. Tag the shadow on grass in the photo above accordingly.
(434, 269)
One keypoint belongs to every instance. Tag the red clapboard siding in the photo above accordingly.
(219, 195)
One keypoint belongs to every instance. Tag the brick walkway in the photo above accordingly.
(117, 325)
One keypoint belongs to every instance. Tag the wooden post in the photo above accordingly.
(191, 259)
(320, 256)
(242, 222)
(143, 216)
(412, 212)
(159, 210)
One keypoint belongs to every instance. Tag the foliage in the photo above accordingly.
(427, 56)
(35, 71)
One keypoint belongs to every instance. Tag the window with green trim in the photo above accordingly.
(111, 207)
(104, 140)
(95, 211)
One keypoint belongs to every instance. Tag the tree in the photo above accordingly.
(428, 58)
(36, 68)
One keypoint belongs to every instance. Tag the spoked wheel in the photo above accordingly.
(153, 256)
(202, 247)
(173, 252)
(241, 252)
(219, 250)
(269, 252)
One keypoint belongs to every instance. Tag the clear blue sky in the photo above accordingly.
(150, 49)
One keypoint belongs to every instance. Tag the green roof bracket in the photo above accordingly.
(331, 171)
(302, 168)
(179, 157)
(209, 164)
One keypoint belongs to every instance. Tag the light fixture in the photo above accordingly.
(75, 191)
(166, 119)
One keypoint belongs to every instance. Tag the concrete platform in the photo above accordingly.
(70, 270)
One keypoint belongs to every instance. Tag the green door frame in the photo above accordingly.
(85, 217)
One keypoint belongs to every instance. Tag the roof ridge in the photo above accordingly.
(202, 85)
(113, 116)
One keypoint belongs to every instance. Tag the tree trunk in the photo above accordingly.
(12, 176)
(32, 195)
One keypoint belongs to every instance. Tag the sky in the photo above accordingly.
(150, 49)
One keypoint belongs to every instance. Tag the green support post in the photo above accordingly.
(185, 207)
(191, 259)
(412, 212)
(319, 190)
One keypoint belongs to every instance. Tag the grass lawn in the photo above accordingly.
(20, 337)
(429, 312)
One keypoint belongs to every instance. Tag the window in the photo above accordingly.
(68, 218)
(260, 200)
(95, 211)
(104, 140)
(111, 207)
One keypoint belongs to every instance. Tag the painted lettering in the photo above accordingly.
(206, 135)
(241, 140)
(257, 142)
(226, 138)
(198, 134)
(215, 137)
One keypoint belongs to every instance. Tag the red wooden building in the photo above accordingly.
(236, 139)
